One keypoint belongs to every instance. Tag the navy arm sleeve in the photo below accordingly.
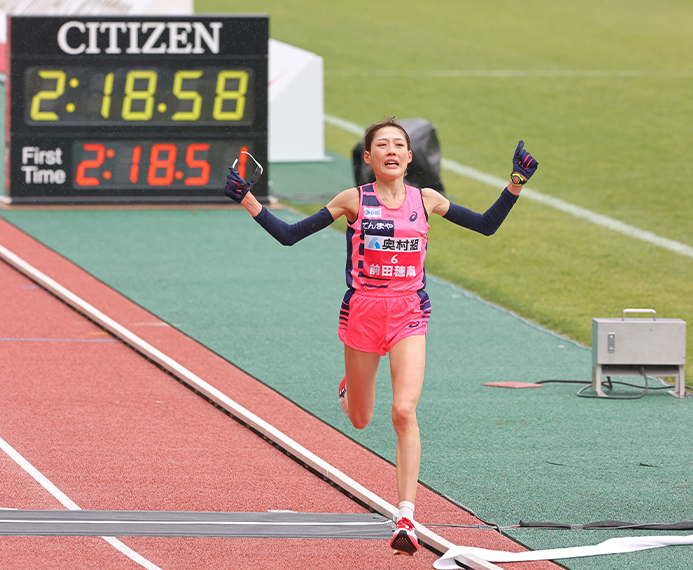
(289, 234)
(486, 223)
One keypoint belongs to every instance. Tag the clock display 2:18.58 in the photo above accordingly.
(126, 95)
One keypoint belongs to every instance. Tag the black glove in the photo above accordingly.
(524, 165)
(236, 188)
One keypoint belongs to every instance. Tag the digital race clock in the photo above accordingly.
(138, 110)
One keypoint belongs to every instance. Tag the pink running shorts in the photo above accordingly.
(372, 322)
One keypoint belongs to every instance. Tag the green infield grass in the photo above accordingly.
(599, 90)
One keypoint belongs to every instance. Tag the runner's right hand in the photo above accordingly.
(236, 188)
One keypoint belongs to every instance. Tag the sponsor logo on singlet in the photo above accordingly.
(371, 212)
(378, 227)
(383, 243)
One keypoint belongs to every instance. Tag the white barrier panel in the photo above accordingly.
(296, 129)
(97, 7)
(84, 8)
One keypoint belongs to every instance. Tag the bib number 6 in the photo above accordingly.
(394, 259)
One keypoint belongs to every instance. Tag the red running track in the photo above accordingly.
(114, 432)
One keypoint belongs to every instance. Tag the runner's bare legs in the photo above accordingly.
(361, 368)
(407, 363)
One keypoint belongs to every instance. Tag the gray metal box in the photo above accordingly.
(622, 346)
(638, 341)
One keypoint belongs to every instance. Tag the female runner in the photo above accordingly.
(386, 308)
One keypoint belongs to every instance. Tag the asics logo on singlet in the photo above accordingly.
(413, 217)
(372, 212)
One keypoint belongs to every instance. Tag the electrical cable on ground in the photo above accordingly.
(611, 525)
(598, 525)
(609, 384)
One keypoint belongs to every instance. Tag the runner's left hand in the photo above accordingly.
(524, 163)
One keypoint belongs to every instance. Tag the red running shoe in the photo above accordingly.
(404, 540)
(342, 396)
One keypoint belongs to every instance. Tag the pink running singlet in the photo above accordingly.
(386, 248)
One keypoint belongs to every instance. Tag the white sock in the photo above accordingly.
(406, 509)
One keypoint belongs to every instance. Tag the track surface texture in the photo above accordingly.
(114, 432)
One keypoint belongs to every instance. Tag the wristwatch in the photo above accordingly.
(517, 179)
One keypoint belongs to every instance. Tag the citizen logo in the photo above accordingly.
(75, 37)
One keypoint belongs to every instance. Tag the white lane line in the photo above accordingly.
(70, 504)
(284, 442)
(37, 522)
(58, 339)
(548, 73)
(38, 476)
(345, 125)
(534, 195)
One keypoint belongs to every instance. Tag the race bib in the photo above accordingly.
(392, 258)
